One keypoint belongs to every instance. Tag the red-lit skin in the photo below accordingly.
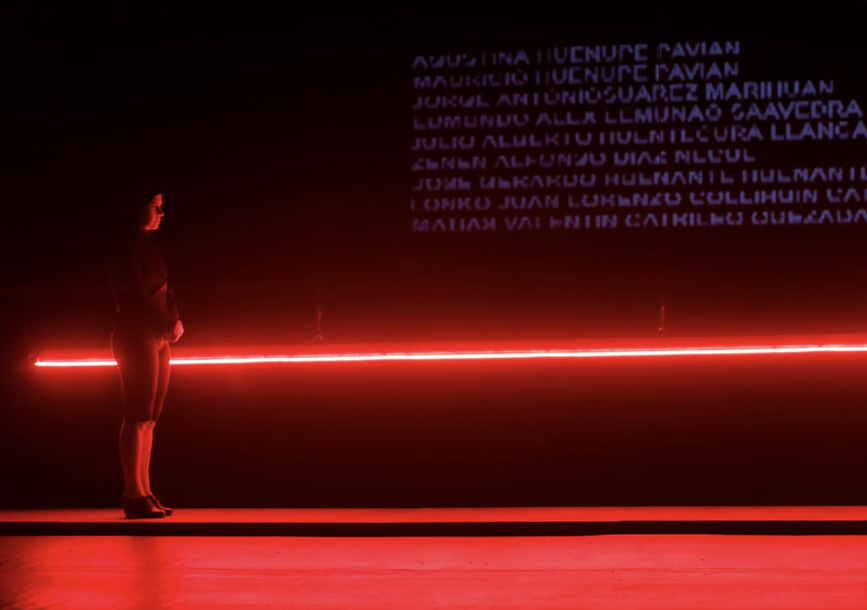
(153, 214)
(136, 439)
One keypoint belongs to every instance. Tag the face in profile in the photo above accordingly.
(153, 214)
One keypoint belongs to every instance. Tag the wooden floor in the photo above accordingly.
(605, 572)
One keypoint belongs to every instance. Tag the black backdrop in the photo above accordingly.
(284, 156)
(548, 284)
(286, 169)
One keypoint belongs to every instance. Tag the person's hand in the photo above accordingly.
(175, 333)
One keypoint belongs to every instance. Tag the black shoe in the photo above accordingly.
(159, 505)
(141, 508)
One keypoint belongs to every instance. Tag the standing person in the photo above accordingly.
(146, 323)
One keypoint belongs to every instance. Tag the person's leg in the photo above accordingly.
(130, 444)
(162, 387)
(147, 442)
(138, 366)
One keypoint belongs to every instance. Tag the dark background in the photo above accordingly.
(559, 285)
(284, 158)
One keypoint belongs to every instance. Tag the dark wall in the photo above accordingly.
(220, 121)
(726, 280)
(284, 160)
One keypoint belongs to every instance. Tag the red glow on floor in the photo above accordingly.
(577, 350)
(590, 573)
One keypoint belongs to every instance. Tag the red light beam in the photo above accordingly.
(474, 355)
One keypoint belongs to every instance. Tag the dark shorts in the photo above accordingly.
(143, 363)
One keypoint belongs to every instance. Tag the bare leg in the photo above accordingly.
(163, 362)
(147, 443)
(138, 360)
(131, 437)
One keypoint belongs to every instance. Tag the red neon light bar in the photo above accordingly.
(582, 349)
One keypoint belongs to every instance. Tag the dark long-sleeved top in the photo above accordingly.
(139, 283)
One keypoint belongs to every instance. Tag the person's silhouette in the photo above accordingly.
(146, 322)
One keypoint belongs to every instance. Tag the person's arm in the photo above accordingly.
(155, 303)
(175, 333)
(178, 329)
(158, 306)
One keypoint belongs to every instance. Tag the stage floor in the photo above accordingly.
(503, 521)
(605, 572)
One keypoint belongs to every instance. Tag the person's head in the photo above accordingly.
(152, 213)
(138, 207)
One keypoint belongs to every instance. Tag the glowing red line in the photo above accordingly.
(491, 355)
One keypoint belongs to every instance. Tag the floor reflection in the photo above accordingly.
(388, 573)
